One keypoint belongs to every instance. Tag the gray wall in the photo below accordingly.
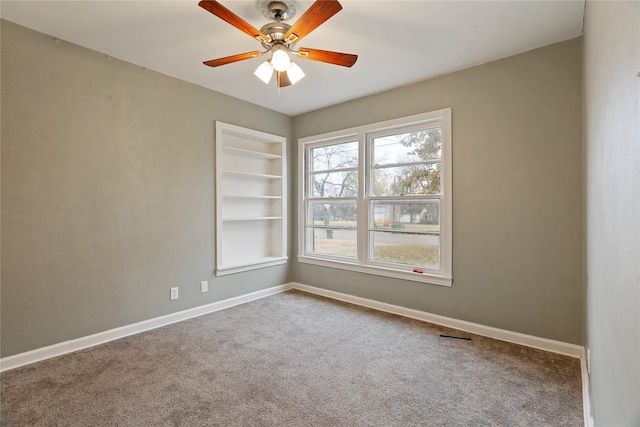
(107, 192)
(517, 193)
(612, 147)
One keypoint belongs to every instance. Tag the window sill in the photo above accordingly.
(378, 271)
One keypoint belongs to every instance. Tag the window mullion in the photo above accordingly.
(408, 197)
(394, 165)
(320, 172)
(332, 199)
(363, 208)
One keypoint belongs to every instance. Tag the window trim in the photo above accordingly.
(362, 135)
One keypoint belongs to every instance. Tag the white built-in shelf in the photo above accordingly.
(255, 263)
(252, 175)
(255, 218)
(242, 196)
(251, 199)
(250, 153)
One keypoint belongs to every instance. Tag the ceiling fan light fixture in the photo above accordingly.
(280, 60)
(264, 72)
(278, 38)
(295, 73)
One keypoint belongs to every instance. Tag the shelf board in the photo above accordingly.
(250, 153)
(240, 196)
(252, 175)
(251, 265)
(255, 218)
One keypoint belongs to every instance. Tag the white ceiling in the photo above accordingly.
(397, 42)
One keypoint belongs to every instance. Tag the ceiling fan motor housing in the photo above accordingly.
(275, 31)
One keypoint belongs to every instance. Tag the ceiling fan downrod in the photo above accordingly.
(282, 10)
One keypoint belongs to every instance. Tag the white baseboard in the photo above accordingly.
(586, 391)
(560, 347)
(553, 346)
(54, 350)
(15, 361)
(39, 354)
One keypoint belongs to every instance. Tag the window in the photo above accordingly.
(377, 199)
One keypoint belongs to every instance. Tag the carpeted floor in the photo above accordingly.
(294, 359)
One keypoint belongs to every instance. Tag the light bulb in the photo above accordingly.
(264, 72)
(280, 60)
(294, 73)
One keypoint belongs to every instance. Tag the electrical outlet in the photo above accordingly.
(204, 286)
(174, 293)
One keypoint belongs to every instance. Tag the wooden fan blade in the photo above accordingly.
(319, 12)
(337, 58)
(283, 79)
(232, 58)
(226, 15)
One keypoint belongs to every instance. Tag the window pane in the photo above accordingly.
(418, 215)
(334, 184)
(425, 144)
(336, 156)
(328, 241)
(404, 248)
(407, 180)
(333, 214)
(378, 198)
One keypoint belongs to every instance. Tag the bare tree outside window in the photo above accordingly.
(406, 172)
(334, 190)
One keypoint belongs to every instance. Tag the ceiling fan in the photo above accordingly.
(279, 38)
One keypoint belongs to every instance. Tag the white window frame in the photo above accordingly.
(441, 276)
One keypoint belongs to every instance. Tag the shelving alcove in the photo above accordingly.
(251, 199)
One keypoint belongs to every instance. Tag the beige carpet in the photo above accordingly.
(295, 359)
